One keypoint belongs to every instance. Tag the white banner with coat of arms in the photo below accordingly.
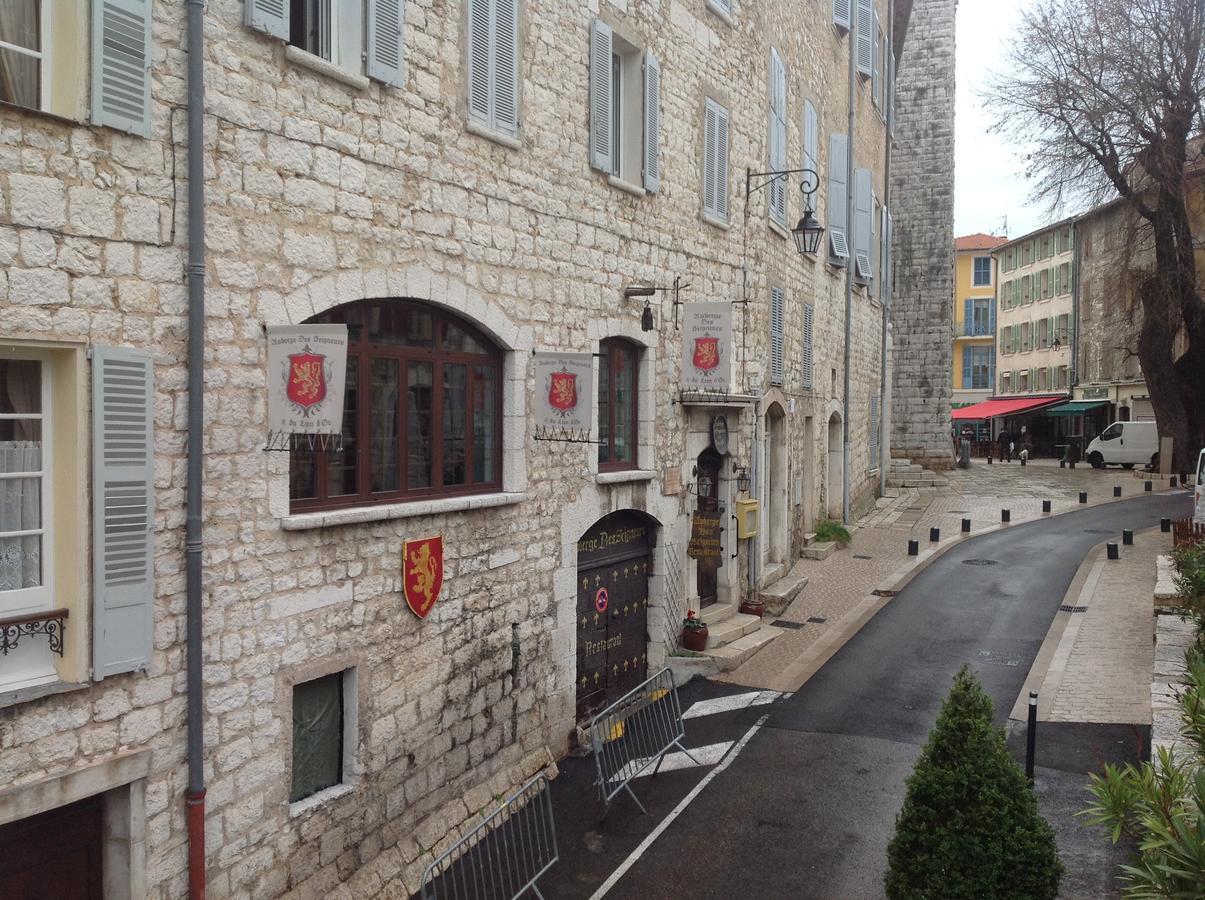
(707, 346)
(564, 391)
(307, 367)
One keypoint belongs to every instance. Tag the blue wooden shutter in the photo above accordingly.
(480, 79)
(863, 212)
(777, 189)
(121, 65)
(652, 123)
(123, 509)
(865, 43)
(890, 91)
(384, 34)
(777, 313)
(873, 436)
(709, 162)
(809, 314)
(966, 365)
(968, 316)
(721, 162)
(841, 14)
(837, 231)
(876, 51)
(269, 16)
(811, 138)
(505, 67)
(600, 96)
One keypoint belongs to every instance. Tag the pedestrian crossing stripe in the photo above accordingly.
(731, 702)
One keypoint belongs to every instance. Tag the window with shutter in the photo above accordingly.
(841, 13)
(865, 43)
(873, 438)
(891, 91)
(777, 189)
(777, 314)
(809, 314)
(876, 80)
(838, 242)
(884, 255)
(811, 138)
(966, 366)
(493, 61)
(652, 123)
(384, 55)
(269, 16)
(863, 215)
(123, 509)
(715, 161)
(121, 65)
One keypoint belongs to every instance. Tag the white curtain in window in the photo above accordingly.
(20, 497)
(20, 72)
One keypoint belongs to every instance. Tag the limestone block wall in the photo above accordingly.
(922, 174)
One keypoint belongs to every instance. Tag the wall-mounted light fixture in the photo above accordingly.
(742, 477)
(807, 231)
(647, 322)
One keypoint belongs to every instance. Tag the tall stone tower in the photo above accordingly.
(922, 201)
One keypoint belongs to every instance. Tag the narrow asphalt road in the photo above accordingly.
(807, 809)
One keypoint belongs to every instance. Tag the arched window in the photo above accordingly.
(422, 411)
(618, 416)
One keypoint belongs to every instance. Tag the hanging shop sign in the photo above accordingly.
(307, 366)
(422, 573)
(707, 346)
(564, 388)
(704, 544)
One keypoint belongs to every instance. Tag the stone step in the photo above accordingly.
(732, 655)
(783, 592)
(718, 612)
(819, 551)
(909, 481)
(773, 571)
(731, 629)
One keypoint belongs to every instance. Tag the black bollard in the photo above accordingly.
(989, 460)
(1005, 515)
(1127, 537)
(1031, 734)
(935, 534)
(1184, 478)
(1071, 465)
(1062, 463)
(913, 548)
(1111, 550)
(1083, 496)
(1171, 482)
(966, 526)
(1165, 525)
(1045, 506)
(1147, 486)
(1117, 490)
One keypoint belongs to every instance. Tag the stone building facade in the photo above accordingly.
(922, 188)
(450, 205)
(974, 354)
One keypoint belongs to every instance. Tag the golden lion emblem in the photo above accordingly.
(424, 569)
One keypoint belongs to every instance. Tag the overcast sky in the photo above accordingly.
(988, 180)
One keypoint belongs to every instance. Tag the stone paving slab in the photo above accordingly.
(843, 581)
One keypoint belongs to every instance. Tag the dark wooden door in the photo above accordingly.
(55, 855)
(612, 610)
(708, 481)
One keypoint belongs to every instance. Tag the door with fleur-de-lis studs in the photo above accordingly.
(614, 565)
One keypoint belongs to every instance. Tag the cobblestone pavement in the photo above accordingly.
(880, 546)
(1100, 669)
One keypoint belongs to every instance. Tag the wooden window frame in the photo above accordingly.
(364, 352)
(611, 352)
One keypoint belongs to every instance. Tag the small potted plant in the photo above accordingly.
(694, 632)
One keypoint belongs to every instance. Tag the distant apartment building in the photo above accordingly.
(974, 352)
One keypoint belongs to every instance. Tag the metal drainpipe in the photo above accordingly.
(193, 541)
(849, 268)
(885, 293)
(755, 492)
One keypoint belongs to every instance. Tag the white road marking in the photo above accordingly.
(729, 703)
(675, 812)
(707, 755)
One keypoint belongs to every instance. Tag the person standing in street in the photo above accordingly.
(1005, 440)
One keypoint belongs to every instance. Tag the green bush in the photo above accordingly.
(828, 530)
(970, 826)
(1189, 578)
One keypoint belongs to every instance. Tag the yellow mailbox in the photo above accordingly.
(747, 517)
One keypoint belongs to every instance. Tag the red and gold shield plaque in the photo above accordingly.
(422, 573)
(307, 379)
(707, 353)
(562, 391)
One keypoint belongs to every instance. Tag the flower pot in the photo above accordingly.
(695, 638)
(753, 607)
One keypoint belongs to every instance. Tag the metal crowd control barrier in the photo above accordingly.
(635, 732)
(503, 856)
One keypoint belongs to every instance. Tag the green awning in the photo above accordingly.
(1075, 407)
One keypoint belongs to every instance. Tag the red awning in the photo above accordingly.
(990, 409)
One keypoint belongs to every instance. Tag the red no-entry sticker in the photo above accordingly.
(601, 599)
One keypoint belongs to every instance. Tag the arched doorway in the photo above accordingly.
(707, 478)
(832, 493)
(774, 544)
(613, 568)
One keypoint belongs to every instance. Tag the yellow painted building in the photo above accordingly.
(974, 352)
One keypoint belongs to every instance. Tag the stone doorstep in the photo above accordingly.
(717, 613)
(773, 571)
(1165, 585)
(731, 629)
(780, 595)
(819, 551)
(732, 655)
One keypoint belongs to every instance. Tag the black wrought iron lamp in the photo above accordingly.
(647, 322)
(807, 231)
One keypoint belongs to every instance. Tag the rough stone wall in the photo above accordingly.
(922, 176)
(319, 193)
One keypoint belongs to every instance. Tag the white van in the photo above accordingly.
(1125, 444)
(1198, 492)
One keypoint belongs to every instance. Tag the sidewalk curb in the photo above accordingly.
(796, 675)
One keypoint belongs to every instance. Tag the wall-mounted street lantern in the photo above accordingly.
(807, 231)
(742, 478)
